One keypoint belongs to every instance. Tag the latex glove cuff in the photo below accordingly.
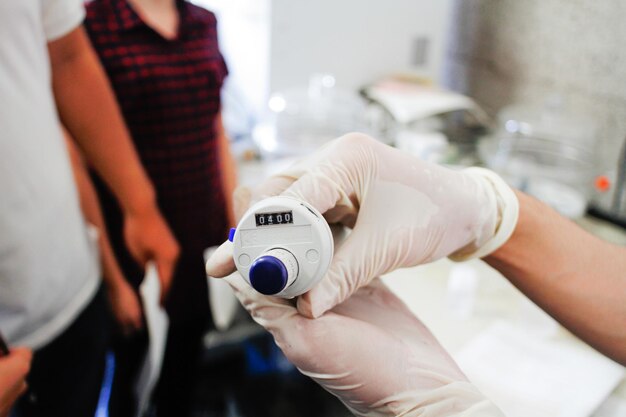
(508, 213)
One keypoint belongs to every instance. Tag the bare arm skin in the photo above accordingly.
(88, 110)
(227, 168)
(13, 371)
(576, 277)
(124, 301)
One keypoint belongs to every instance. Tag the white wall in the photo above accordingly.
(507, 51)
(274, 45)
(244, 36)
(356, 40)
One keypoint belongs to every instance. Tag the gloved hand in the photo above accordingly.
(403, 211)
(371, 352)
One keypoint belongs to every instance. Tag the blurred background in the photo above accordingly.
(488, 71)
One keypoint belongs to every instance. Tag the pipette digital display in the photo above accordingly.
(282, 246)
(270, 219)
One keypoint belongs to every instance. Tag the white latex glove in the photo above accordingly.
(403, 211)
(371, 352)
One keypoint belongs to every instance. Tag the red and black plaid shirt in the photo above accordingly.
(169, 93)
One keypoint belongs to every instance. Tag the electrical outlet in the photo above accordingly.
(419, 51)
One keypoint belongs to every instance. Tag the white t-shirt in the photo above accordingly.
(49, 267)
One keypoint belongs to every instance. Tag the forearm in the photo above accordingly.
(227, 169)
(88, 109)
(90, 206)
(577, 278)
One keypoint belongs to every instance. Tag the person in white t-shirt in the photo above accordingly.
(49, 270)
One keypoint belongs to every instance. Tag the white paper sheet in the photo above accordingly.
(529, 375)
(222, 299)
(612, 407)
(157, 325)
(408, 103)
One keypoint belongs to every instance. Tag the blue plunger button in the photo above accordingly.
(231, 234)
(268, 275)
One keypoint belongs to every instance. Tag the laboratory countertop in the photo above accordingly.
(467, 304)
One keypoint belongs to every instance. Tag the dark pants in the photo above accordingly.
(188, 309)
(66, 374)
(174, 392)
(172, 396)
(198, 221)
(129, 356)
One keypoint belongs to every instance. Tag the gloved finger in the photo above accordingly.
(375, 303)
(273, 186)
(244, 197)
(280, 182)
(241, 201)
(353, 266)
(304, 341)
(221, 262)
(249, 297)
(273, 313)
(320, 189)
